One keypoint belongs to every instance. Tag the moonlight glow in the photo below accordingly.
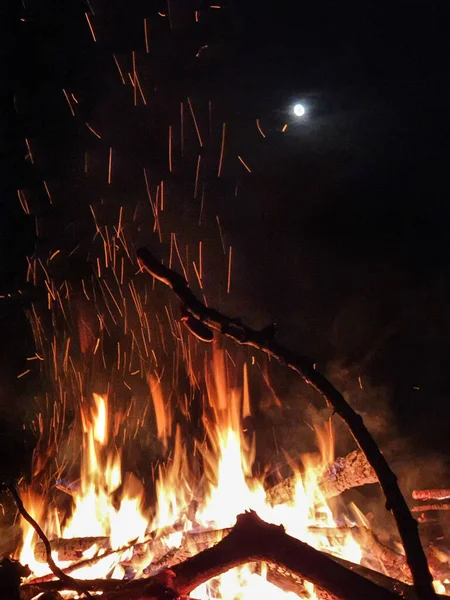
(299, 110)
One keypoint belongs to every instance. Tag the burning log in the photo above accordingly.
(70, 549)
(374, 551)
(438, 494)
(156, 549)
(264, 341)
(427, 507)
(345, 473)
(250, 540)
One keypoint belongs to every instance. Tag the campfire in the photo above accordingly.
(215, 529)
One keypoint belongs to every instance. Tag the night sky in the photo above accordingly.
(340, 231)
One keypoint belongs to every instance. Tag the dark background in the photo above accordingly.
(340, 232)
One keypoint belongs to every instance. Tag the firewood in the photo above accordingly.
(427, 507)
(305, 367)
(345, 473)
(432, 494)
(375, 553)
(71, 548)
(250, 540)
(156, 549)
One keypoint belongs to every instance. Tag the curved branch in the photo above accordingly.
(263, 340)
(66, 579)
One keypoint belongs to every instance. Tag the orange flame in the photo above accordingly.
(106, 505)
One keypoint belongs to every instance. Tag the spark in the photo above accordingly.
(170, 148)
(93, 131)
(119, 224)
(149, 195)
(133, 57)
(200, 50)
(113, 298)
(23, 374)
(229, 269)
(179, 256)
(110, 166)
(260, 129)
(146, 35)
(222, 149)
(54, 254)
(119, 69)
(30, 154)
(90, 27)
(201, 205)
(23, 202)
(195, 123)
(161, 206)
(48, 192)
(197, 170)
(197, 274)
(220, 233)
(83, 285)
(285, 126)
(122, 269)
(171, 250)
(182, 127)
(69, 102)
(144, 100)
(244, 163)
(66, 354)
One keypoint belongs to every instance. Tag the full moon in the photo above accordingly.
(299, 110)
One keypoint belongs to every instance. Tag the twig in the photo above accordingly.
(263, 340)
(66, 579)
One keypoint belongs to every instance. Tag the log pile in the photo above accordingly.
(191, 561)
(251, 540)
